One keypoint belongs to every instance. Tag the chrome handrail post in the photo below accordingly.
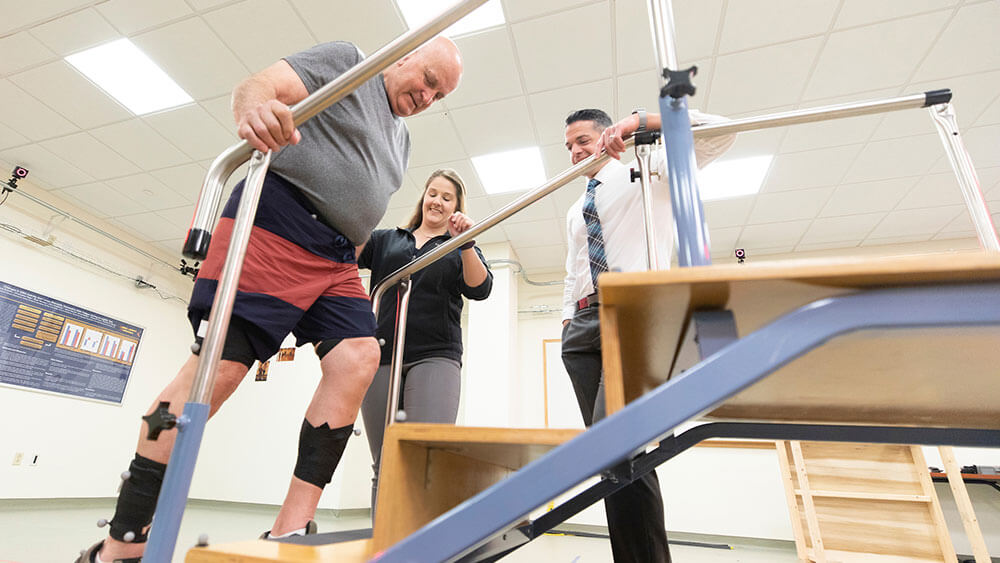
(968, 181)
(642, 153)
(396, 371)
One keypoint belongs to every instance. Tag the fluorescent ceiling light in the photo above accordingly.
(510, 171)
(418, 12)
(724, 179)
(129, 76)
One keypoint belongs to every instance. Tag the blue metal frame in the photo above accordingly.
(693, 247)
(703, 387)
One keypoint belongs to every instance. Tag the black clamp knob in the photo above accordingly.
(159, 420)
(679, 82)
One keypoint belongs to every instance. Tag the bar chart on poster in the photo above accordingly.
(53, 346)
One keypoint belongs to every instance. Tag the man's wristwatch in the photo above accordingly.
(642, 119)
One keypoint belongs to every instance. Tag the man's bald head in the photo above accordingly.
(424, 76)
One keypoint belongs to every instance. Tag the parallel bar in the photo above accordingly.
(196, 245)
(708, 384)
(403, 305)
(968, 181)
(642, 154)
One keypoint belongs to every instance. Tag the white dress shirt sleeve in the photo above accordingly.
(707, 149)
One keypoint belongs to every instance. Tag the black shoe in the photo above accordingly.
(310, 530)
(89, 555)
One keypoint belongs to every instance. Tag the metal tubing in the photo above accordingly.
(809, 115)
(583, 167)
(403, 304)
(642, 154)
(225, 294)
(211, 191)
(655, 414)
(661, 24)
(176, 484)
(693, 248)
(968, 181)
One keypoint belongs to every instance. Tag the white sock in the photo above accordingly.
(299, 532)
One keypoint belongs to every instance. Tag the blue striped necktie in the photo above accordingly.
(595, 238)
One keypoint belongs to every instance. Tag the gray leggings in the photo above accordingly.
(431, 388)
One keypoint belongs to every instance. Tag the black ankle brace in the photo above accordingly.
(137, 499)
(320, 449)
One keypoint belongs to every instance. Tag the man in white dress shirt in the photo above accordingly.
(605, 233)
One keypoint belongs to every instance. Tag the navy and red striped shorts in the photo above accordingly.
(299, 274)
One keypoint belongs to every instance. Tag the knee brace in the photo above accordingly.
(320, 449)
(137, 499)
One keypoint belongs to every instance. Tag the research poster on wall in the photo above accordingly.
(49, 345)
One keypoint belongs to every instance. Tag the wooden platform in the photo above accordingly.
(427, 470)
(938, 376)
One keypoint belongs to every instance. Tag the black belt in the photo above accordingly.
(587, 301)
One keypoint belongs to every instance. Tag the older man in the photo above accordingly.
(325, 191)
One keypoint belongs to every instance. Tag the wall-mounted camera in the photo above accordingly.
(19, 173)
(741, 255)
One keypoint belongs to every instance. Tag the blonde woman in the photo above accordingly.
(432, 353)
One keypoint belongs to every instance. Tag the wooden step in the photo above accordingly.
(261, 551)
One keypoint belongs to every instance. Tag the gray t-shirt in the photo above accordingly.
(353, 155)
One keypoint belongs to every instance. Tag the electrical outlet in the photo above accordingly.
(18, 458)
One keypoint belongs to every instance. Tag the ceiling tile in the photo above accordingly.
(852, 228)
(490, 69)
(827, 246)
(10, 138)
(101, 200)
(752, 24)
(18, 14)
(191, 53)
(538, 211)
(895, 158)
(542, 258)
(866, 197)
(29, 117)
(807, 169)
(991, 115)
(203, 5)
(553, 56)
(63, 89)
(862, 12)
(886, 241)
(756, 143)
(789, 205)
(473, 188)
(494, 127)
(534, 233)
(149, 226)
(967, 45)
(185, 179)
(479, 208)
(395, 217)
(221, 109)
(696, 24)
(138, 142)
(556, 159)
(914, 222)
(147, 191)
(22, 50)
(762, 78)
(935, 190)
(408, 194)
(982, 143)
(886, 49)
(341, 20)
(287, 33)
(723, 241)
(178, 216)
(433, 139)
(91, 156)
(819, 134)
(130, 16)
(730, 212)
(75, 32)
(47, 169)
(517, 10)
(172, 246)
(758, 237)
(191, 129)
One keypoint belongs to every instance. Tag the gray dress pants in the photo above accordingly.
(635, 513)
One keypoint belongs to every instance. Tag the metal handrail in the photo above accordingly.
(200, 233)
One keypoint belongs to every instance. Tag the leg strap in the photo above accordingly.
(320, 449)
(137, 499)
